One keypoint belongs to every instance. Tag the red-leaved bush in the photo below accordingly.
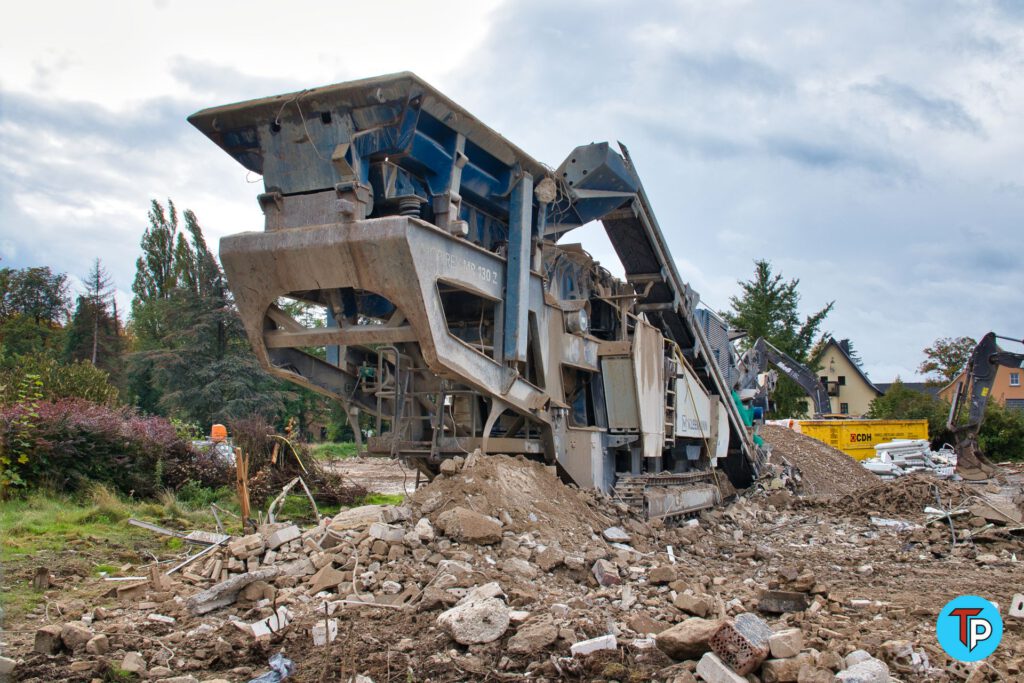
(73, 442)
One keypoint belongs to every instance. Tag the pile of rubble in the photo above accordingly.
(907, 456)
(498, 569)
(823, 470)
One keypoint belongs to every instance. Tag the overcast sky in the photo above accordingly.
(874, 150)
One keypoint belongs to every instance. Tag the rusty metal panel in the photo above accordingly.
(620, 394)
(649, 378)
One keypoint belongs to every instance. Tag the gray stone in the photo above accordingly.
(616, 534)
(424, 530)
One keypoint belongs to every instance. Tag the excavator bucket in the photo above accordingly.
(971, 464)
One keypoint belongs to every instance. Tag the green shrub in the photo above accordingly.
(1002, 433)
(80, 379)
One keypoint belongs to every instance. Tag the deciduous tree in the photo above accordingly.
(945, 358)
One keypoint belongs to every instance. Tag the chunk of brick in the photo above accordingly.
(742, 643)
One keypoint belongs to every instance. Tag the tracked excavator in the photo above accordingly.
(973, 392)
(459, 315)
(754, 376)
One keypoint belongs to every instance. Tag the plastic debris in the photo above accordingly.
(280, 668)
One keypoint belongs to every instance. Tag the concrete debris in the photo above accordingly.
(547, 591)
(478, 621)
(133, 663)
(586, 647)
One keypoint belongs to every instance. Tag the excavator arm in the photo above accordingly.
(975, 388)
(762, 353)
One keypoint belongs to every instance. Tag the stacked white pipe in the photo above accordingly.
(905, 456)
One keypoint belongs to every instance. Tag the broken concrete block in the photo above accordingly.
(386, 532)
(356, 518)
(188, 678)
(867, 671)
(480, 621)
(226, 592)
(713, 670)
(48, 641)
(742, 643)
(606, 573)
(282, 536)
(98, 645)
(133, 662)
(780, 602)
(688, 639)
(786, 643)
(517, 566)
(324, 633)
(265, 627)
(615, 534)
(463, 524)
(399, 513)
(75, 635)
(533, 637)
(1017, 606)
(585, 647)
(449, 467)
(160, 618)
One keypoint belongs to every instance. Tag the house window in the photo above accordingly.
(844, 408)
(1014, 379)
(842, 380)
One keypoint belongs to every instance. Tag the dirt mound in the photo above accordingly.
(523, 494)
(824, 470)
(907, 495)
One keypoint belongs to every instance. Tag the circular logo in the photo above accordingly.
(969, 628)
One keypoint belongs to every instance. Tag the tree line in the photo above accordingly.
(180, 351)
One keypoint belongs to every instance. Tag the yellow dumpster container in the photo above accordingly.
(857, 438)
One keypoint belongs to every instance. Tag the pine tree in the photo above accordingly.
(768, 307)
(94, 333)
(194, 361)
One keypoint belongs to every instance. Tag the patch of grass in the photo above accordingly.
(383, 499)
(108, 569)
(335, 451)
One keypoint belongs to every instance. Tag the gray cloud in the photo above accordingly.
(940, 112)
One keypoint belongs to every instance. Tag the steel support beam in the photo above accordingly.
(517, 272)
